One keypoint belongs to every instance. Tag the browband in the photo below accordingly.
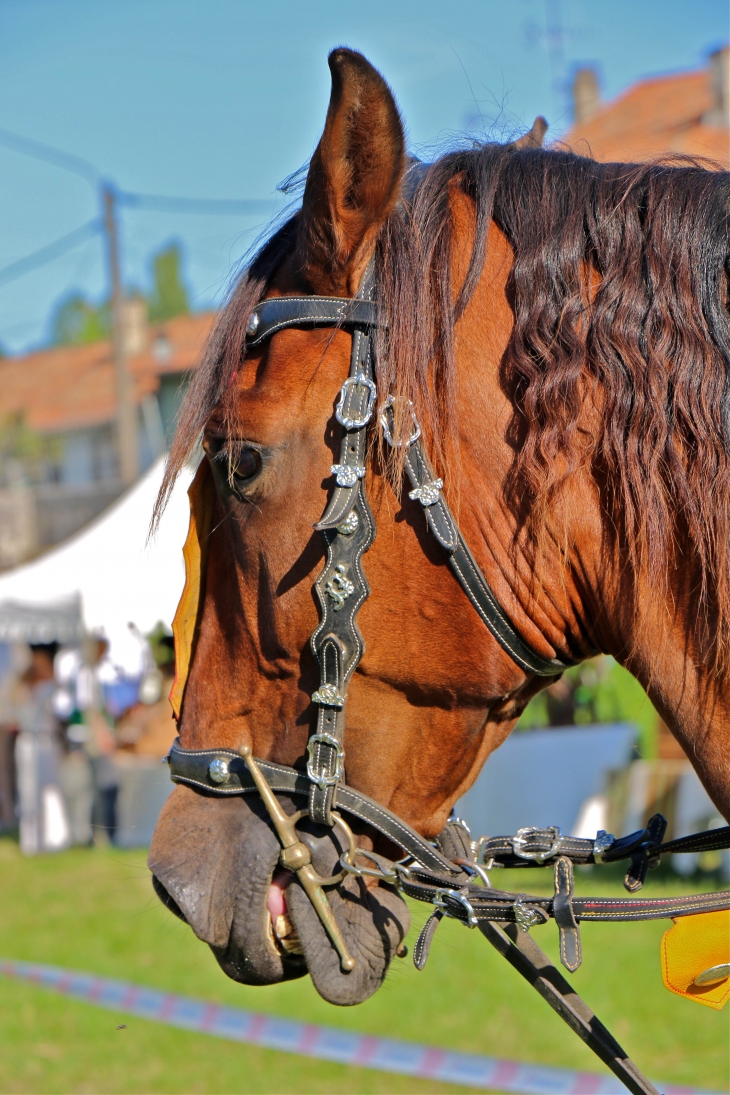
(276, 313)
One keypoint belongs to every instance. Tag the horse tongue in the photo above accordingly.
(276, 899)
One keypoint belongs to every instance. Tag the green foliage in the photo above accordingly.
(599, 690)
(93, 910)
(162, 646)
(25, 452)
(170, 296)
(77, 321)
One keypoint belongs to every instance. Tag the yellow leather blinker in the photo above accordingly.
(696, 958)
(202, 495)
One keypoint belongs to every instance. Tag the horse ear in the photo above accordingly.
(536, 137)
(354, 176)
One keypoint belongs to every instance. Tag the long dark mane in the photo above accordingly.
(652, 336)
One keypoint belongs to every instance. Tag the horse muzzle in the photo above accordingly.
(217, 864)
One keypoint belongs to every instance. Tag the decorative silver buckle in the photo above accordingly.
(328, 696)
(355, 423)
(427, 494)
(348, 475)
(390, 401)
(602, 843)
(523, 836)
(321, 778)
(525, 916)
(339, 587)
(461, 899)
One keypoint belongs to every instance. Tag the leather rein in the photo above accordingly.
(450, 873)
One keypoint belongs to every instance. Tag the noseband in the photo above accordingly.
(444, 873)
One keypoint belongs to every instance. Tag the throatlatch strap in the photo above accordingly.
(427, 490)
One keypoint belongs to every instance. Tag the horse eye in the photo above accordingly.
(247, 464)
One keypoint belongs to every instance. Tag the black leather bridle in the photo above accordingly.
(444, 873)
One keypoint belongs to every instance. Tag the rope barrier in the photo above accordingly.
(325, 1043)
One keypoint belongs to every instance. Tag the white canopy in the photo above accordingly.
(120, 578)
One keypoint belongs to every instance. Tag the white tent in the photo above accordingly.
(120, 578)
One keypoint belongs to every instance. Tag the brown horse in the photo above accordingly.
(561, 329)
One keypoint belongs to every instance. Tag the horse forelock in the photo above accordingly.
(620, 277)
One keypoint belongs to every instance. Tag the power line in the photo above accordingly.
(50, 251)
(49, 154)
(216, 206)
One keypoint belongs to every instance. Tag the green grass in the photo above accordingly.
(93, 910)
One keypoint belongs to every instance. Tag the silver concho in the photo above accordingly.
(349, 525)
(218, 770)
(714, 975)
(339, 587)
(253, 325)
(347, 476)
(428, 494)
(328, 696)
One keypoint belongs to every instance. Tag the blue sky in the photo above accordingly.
(223, 99)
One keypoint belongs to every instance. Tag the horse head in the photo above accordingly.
(433, 690)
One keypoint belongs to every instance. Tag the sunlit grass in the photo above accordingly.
(93, 910)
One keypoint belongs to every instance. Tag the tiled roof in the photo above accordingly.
(653, 118)
(68, 387)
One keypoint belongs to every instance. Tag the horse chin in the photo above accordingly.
(214, 864)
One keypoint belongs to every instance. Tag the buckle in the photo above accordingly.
(524, 836)
(440, 901)
(323, 779)
(390, 402)
(345, 420)
(384, 868)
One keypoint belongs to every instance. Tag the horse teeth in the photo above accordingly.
(283, 926)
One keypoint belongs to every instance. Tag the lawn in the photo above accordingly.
(93, 910)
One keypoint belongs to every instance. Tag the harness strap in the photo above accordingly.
(524, 955)
(473, 904)
(532, 847)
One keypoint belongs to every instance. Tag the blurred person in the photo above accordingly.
(148, 729)
(14, 659)
(44, 825)
(91, 777)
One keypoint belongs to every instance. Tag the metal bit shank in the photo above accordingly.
(296, 856)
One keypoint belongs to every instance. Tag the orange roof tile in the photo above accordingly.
(653, 118)
(68, 387)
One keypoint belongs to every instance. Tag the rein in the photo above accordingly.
(451, 873)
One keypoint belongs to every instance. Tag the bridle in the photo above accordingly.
(446, 873)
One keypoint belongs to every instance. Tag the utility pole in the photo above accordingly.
(126, 409)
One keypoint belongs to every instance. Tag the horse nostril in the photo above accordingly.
(166, 900)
